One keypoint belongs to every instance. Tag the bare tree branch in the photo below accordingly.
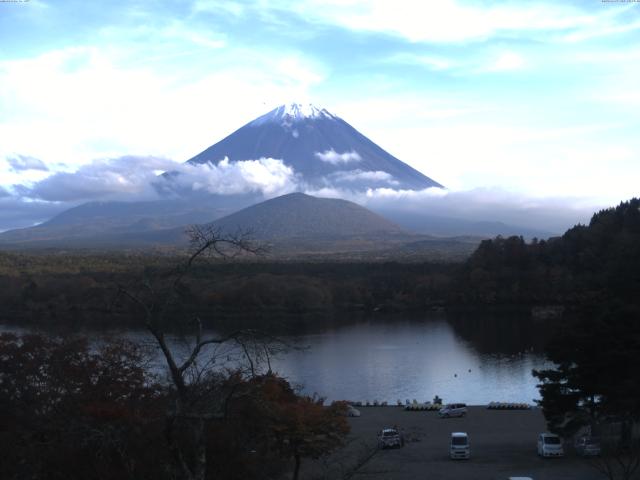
(197, 385)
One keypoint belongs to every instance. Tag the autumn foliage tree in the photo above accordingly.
(70, 411)
(280, 425)
(307, 429)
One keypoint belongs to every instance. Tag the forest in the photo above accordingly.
(587, 262)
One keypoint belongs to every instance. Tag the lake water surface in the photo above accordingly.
(474, 359)
(387, 361)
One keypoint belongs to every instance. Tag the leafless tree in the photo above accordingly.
(198, 397)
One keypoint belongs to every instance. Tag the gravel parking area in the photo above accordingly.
(503, 444)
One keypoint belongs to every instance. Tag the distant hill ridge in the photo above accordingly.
(301, 215)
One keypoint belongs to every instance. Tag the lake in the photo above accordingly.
(474, 359)
(392, 360)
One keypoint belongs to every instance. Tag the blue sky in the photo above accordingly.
(535, 100)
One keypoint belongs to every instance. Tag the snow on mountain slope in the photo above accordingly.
(323, 149)
(292, 112)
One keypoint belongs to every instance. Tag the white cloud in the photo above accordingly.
(123, 178)
(87, 102)
(465, 142)
(505, 62)
(607, 26)
(136, 178)
(132, 178)
(176, 31)
(334, 158)
(384, 193)
(445, 20)
(24, 162)
(469, 64)
(267, 176)
(551, 213)
(228, 6)
(361, 175)
(436, 63)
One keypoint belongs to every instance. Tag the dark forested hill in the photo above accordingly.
(602, 258)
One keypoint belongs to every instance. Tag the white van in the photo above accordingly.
(550, 445)
(459, 447)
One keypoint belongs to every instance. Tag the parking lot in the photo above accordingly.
(503, 444)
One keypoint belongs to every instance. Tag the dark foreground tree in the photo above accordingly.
(198, 396)
(300, 426)
(268, 426)
(71, 411)
(618, 460)
(68, 411)
(595, 383)
(596, 378)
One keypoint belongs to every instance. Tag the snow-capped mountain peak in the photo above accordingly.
(293, 112)
(321, 149)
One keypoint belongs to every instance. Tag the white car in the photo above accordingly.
(459, 447)
(352, 411)
(453, 410)
(550, 445)
(390, 438)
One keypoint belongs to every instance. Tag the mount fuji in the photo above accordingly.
(315, 148)
(320, 147)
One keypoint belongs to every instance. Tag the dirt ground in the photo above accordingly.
(503, 444)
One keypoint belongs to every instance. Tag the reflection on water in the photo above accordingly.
(404, 359)
(476, 360)
(500, 332)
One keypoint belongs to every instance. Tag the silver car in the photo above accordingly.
(587, 446)
(453, 410)
(389, 438)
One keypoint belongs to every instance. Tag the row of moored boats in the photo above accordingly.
(416, 406)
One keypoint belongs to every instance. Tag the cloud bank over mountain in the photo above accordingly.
(132, 178)
(128, 177)
(326, 157)
(19, 163)
(552, 214)
(267, 176)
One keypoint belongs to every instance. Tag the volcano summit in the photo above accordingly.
(320, 147)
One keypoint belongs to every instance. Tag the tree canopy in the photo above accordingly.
(596, 350)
